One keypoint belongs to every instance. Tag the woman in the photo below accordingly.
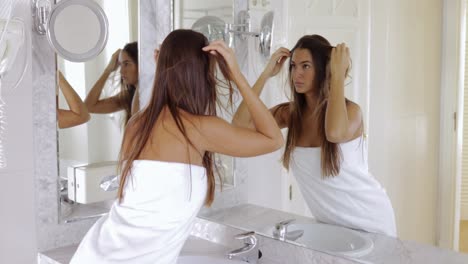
(324, 146)
(167, 154)
(78, 113)
(127, 98)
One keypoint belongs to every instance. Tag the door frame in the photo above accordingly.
(451, 124)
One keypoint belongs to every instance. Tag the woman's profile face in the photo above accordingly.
(302, 71)
(128, 69)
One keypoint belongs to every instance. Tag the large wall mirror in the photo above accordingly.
(275, 205)
(88, 152)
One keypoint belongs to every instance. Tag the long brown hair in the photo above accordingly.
(331, 156)
(185, 79)
(128, 91)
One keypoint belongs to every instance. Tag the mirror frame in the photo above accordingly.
(101, 43)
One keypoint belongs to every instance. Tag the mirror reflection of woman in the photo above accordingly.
(325, 146)
(166, 157)
(78, 113)
(127, 98)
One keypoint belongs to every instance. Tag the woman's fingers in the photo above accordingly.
(280, 53)
(339, 59)
(116, 54)
(114, 61)
(220, 47)
(341, 50)
(276, 61)
(217, 48)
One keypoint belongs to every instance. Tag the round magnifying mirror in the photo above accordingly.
(212, 27)
(78, 29)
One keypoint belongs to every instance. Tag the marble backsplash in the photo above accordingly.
(50, 234)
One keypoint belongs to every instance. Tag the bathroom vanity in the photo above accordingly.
(213, 240)
(216, 239)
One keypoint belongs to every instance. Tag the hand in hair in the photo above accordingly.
(114, 61)
(239, 141)
(343, 119)
(276, 62)
(218, 47)
(339, 61)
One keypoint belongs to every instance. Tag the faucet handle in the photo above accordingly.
(249, 238)
(284, 223)
(281, 229)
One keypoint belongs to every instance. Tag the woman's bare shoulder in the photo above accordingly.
(353, 108)
(281, 113)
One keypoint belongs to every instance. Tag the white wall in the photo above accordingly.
(17, 221)
(464, 165)
(404, 110)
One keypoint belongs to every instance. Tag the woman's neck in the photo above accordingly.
(311, 101)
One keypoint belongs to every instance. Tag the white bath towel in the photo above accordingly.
(353, 198)
(161, 200)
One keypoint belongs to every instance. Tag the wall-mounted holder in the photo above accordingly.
(41, 11)
(87, 190)
(93, 183)
(215, 28)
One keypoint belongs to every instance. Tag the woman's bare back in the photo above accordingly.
(167, 143)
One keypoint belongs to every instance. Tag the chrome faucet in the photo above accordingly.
(281, 231)
(249, 252)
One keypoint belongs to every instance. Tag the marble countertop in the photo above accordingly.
(193, 246)
(217, 233)
(386, 249)
(210, 238)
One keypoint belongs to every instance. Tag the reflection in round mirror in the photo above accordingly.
(78, 29)
(212, 27)
(266, 34)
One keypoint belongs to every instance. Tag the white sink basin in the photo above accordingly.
(206, 260)
(200, 251)
(332, 239)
